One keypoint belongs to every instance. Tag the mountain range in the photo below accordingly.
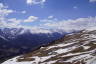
(74, 48)
(16, 41)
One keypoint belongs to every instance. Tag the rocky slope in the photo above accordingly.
(76, 48)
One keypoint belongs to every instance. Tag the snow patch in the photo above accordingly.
(3, 38)
(92, 61)
(86, 47)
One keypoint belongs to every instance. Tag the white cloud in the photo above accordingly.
(30, 2)
(16, 23)
(70, 25)
(31, 19)
(50, 17)
(13, 22)
(64, 25)
(4, 11)
(75, 7)
(4, 21)
(37, 29)
(92, 0)
(2, 6)
(23, 12)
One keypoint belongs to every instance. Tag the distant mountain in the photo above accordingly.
(16, 41)
(76, 48)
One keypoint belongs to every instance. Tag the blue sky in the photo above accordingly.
(39, 12)
(61, 9)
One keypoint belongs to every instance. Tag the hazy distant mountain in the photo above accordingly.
(76, 48)
(15, 41)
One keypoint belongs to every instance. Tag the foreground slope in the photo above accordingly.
(77, 48)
